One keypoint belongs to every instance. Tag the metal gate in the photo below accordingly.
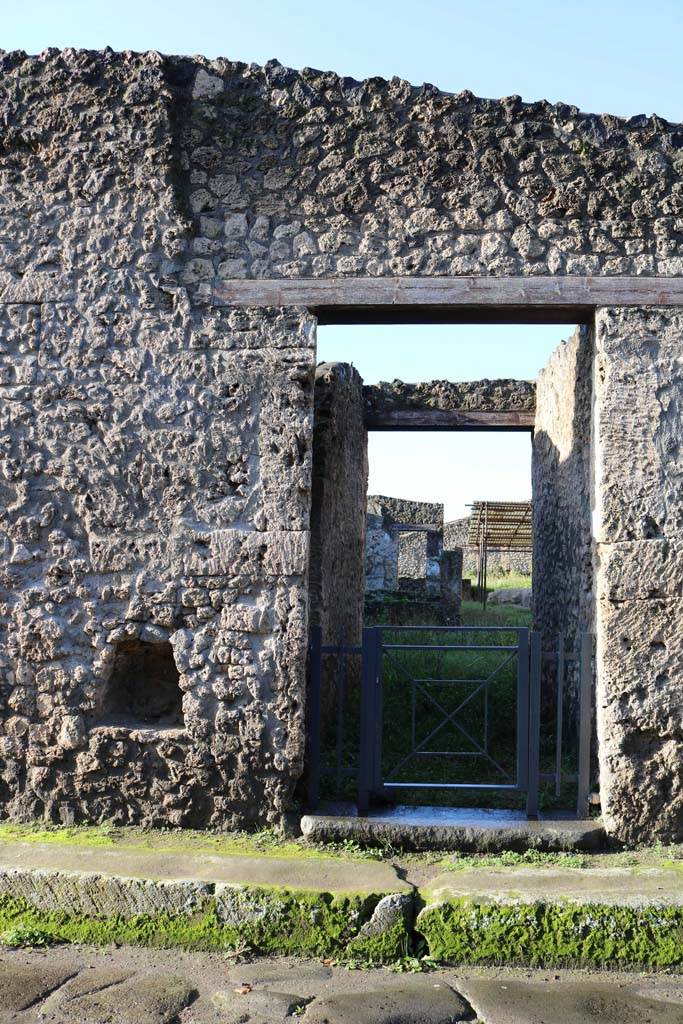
(453, 708)
(438, 686)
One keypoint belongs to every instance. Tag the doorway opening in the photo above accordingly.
(441, 420)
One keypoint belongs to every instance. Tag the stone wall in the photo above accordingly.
(406, 511)
(562, 599)
(474, 395)
(156, 475)
(307, 174)
(563, 559)
(381, 555)
(638, 521)
(409, 579)
(451, 578)
(338, 514)
(417, 552)
(419, 556)
(144, 498)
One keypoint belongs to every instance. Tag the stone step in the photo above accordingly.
(447, 828)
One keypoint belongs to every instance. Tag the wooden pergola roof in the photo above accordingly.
(501, 525)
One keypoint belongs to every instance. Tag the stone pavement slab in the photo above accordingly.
(318, 874)
(620, 886)
(260, 1007)
(110, 995)
(286, 974)
(588, 1001)
(147, 986)
(421, 1000)
(545, 916)
(160, 897)
(21, 985)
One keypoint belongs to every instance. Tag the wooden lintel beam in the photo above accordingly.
(451, 299)
(449, 419)
(415, 527)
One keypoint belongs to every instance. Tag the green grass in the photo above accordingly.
(423, 687)
(645, 858)
(472, 614)
(544, 934)
(268, 920)
(418, 695)
(509, 580)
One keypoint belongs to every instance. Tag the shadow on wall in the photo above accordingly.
(563, 592)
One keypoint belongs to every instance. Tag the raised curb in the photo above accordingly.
(348, 910)
(272, 905)
(543, 917)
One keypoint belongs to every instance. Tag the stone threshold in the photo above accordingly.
(468, 830)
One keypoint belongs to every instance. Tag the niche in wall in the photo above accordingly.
(143, 687)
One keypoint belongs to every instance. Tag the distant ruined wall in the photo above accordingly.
(155, 479)
(381, 555)
(639, 515)
(419, 557)
(561, 487)
(338, 513)
(478, 395)
(406, 511)
(417, 553)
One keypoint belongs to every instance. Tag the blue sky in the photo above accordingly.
(451, 468)
(604, 55)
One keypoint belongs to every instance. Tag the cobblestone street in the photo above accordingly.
(80, 985)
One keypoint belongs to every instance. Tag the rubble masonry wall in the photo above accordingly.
(156, 466)
(639, 516)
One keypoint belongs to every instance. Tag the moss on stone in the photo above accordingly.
(266, 920)
(384, 948)
(553, 934)
(266, 843)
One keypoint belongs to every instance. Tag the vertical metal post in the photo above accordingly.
(378, 711)
(559, 713)
(522, 708)
(486, 555)
(314, 704)
(534, 727)
(585, 724)
(341, 700)
(367, 724)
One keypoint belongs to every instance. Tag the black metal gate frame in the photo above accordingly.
(527, 650)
